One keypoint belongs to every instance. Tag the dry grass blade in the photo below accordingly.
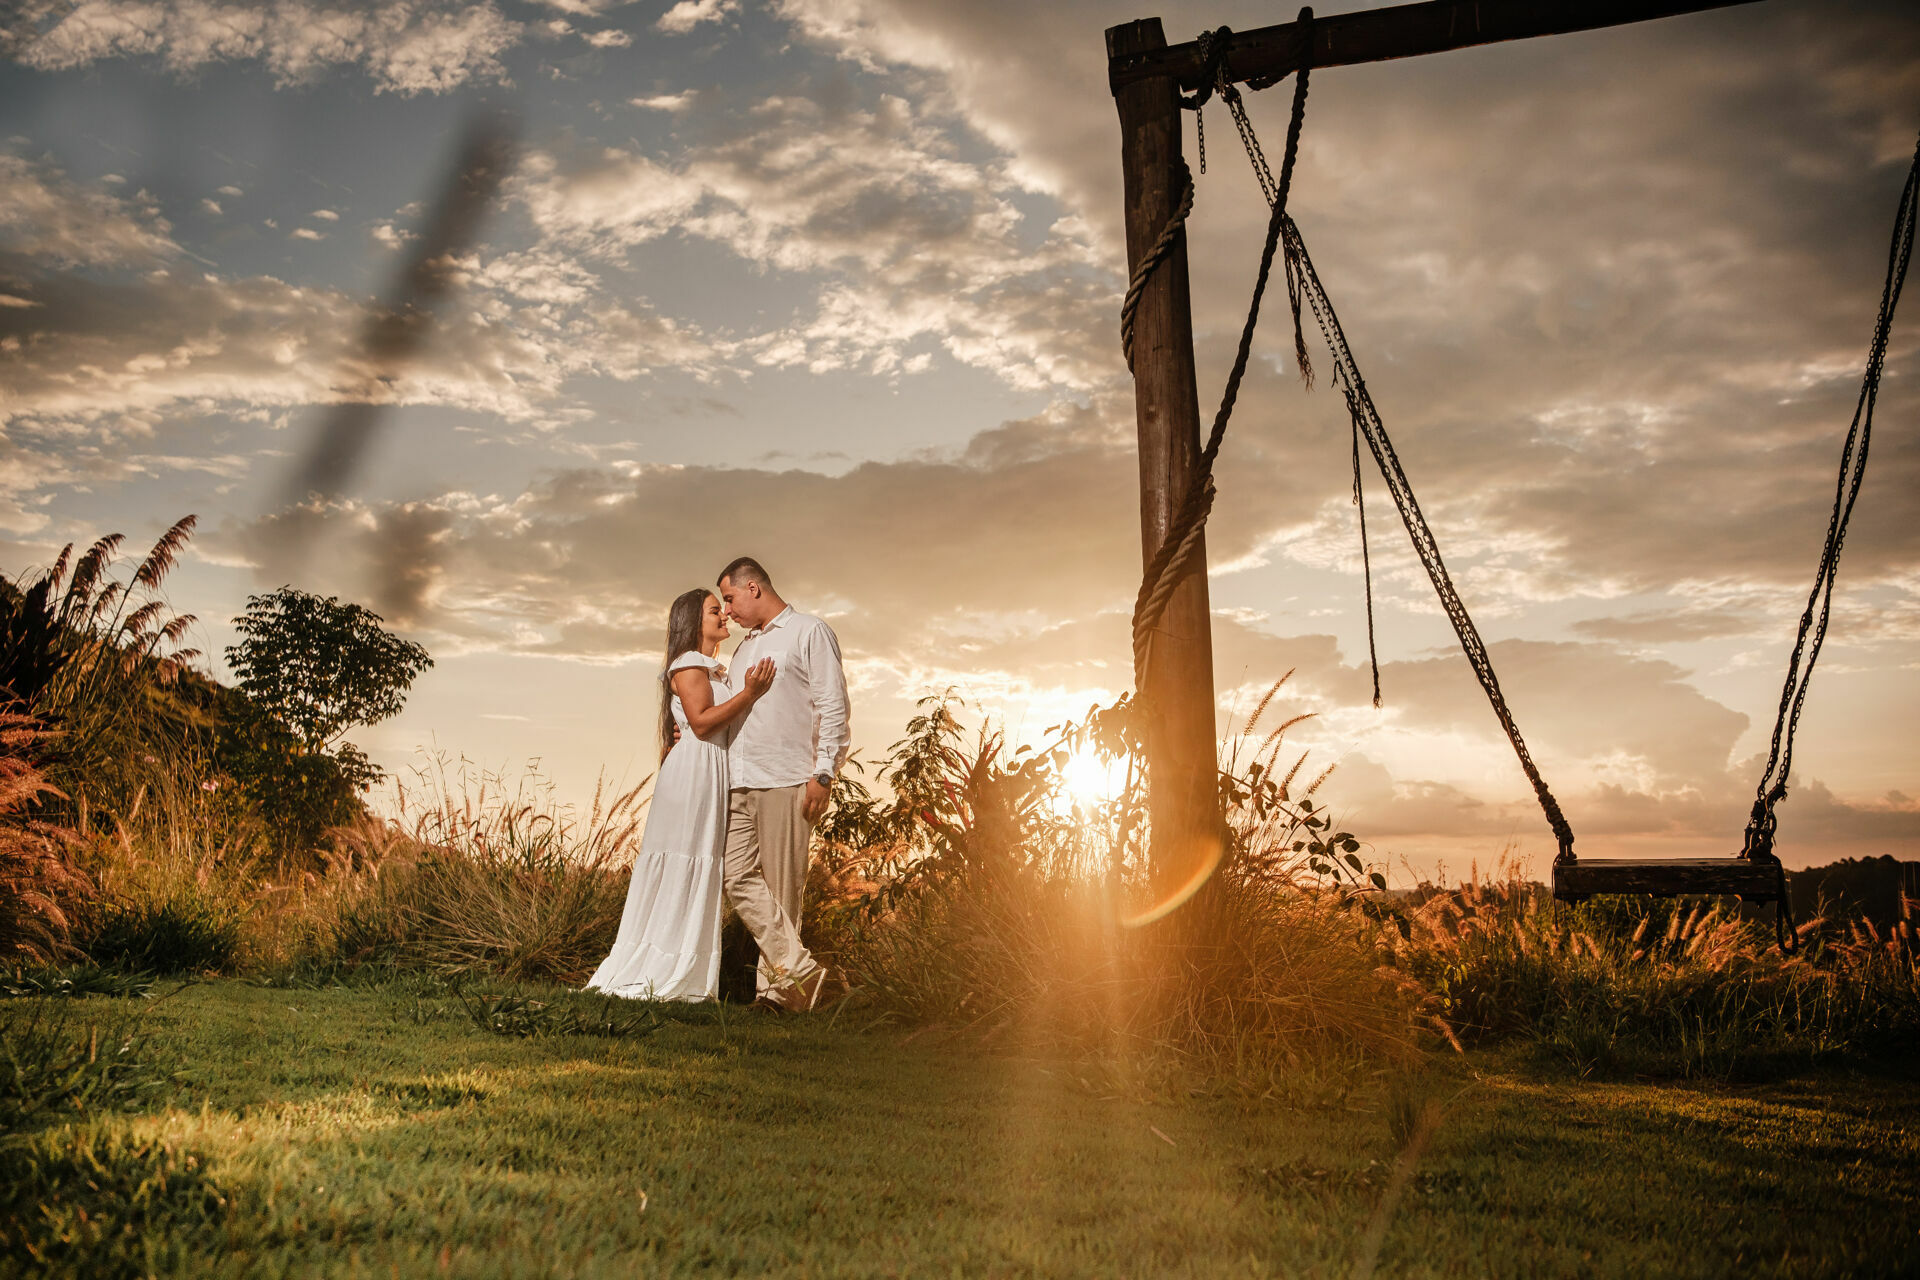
(166, 551)
(1260, 707)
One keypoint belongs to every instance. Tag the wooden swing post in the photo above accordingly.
(1147, 76)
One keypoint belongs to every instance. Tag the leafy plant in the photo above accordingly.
(93, 657)
(39, 881)
(999, 906)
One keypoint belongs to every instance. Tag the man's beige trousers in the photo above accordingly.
(766, 873)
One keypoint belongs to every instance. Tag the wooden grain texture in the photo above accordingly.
(1754, 881)
(1402, 31)
(1180, 730)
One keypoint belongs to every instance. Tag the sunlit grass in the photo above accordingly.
(343, 1131)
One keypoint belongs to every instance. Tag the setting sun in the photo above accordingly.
(1087, 780)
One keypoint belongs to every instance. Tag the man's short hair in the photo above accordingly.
(743, 570)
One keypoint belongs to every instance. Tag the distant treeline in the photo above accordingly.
(1861, 888)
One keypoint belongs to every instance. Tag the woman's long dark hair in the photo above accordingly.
(683, 633)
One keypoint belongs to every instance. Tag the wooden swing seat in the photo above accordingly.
(1667, 878)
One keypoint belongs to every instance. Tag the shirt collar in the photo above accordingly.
(778, 618)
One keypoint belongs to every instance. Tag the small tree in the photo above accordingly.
(321, 667)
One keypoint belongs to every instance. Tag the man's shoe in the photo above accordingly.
(802, 994)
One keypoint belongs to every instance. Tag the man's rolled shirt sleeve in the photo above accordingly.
(831, 710)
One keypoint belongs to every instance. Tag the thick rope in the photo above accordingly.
(1367, 420)
(1177, 549)
(1153, 257)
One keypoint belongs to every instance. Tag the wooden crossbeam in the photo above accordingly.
(1403, 31)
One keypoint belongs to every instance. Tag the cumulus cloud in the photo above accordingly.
(91, 363)
(913, 243)
(46, 215)
(406, 47)
(688, 14)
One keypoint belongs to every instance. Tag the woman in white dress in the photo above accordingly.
(668, 947)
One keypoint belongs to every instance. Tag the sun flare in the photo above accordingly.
(1087, 780)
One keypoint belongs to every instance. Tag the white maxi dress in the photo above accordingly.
(668, 947)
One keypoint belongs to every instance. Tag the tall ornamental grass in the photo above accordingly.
(1666, 986)
(40, 880)
(482, 876)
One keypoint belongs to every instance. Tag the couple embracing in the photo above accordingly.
(748, 759)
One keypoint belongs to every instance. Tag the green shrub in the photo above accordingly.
(998, 905)
(184, 929)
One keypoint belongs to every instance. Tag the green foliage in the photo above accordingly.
(54, 1064)
(101, 1204)
(185, 928)
(75, 981)
(300, 795)
(1001, 905)
(321, 667)
(516, 1014)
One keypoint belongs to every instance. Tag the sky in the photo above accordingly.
(835, 283)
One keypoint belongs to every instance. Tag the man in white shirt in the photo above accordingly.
(787, 751)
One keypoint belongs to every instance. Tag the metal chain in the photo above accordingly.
(1366, 419)
(1812, 634)
(1366, 564)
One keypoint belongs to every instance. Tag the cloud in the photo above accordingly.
(561, 552)
(669, 102)
(407, 48)
(610, 38)
(582, 563)
(46, 215)
(325, 215)
(909, 242)
(688, 14)
(93, 363)
(306, 233)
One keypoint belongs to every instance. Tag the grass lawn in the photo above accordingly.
(381, 1133)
